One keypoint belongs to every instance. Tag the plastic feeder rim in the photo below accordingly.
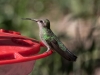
(15, 48)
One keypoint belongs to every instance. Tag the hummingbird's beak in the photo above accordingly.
(30, 19)
(35, 20)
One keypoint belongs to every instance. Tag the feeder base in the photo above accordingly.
(23, 68)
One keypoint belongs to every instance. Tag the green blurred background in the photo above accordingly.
(75, 22)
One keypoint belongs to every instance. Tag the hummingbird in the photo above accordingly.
(51, 41)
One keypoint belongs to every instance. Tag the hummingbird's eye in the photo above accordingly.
(41, 21)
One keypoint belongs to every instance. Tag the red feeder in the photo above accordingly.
(18, 53)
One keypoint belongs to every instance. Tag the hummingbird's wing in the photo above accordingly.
(64, 53)
(59, 47)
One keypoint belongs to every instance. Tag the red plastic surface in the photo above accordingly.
(16, 48)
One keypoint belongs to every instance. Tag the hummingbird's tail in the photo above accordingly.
(69, 55)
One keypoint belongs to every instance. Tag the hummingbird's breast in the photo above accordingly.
(44, 35)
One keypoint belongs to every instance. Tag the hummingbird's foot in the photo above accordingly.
(48, 48)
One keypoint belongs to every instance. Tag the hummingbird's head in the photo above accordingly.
(44, 23)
